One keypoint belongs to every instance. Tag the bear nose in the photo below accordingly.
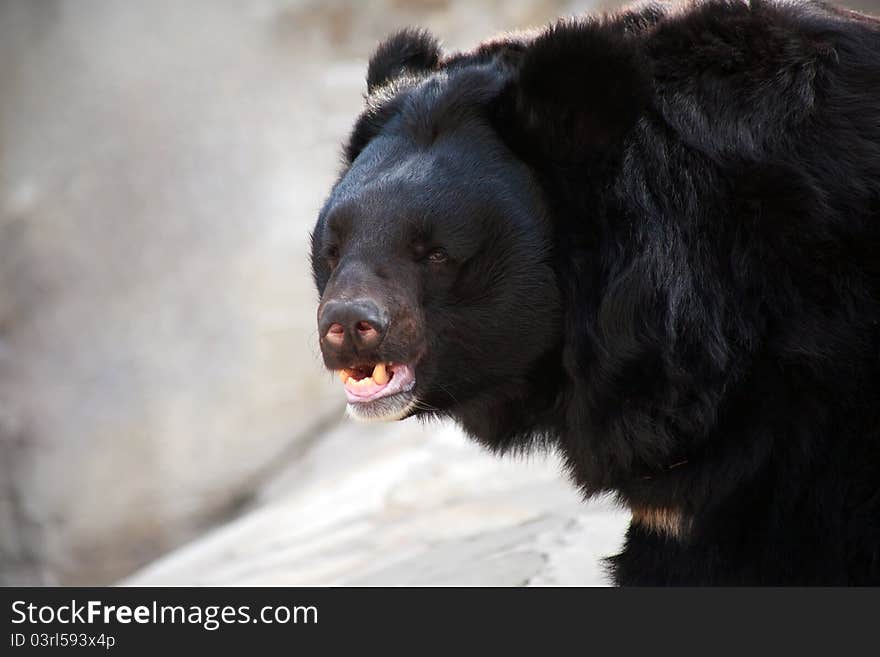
(360, 322)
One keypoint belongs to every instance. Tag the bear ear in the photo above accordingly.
(579, 87)
(409, 51)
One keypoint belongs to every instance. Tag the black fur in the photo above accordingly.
(408, 51)
(664, 239)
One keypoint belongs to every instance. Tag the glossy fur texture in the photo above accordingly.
(662, 239)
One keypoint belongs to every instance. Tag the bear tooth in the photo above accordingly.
(380, 376)
(343, 375)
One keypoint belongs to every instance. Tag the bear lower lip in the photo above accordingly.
(400, 378)
(385, 409)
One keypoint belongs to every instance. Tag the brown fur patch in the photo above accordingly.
(666, 522)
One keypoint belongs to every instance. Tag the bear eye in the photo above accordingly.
(331, 255)
(438, 255)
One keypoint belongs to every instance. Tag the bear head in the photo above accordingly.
(436, 254)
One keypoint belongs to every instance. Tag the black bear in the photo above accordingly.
(649, 241)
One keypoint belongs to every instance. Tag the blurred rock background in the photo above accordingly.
(161, 165)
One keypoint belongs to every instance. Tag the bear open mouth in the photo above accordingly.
(370, 382)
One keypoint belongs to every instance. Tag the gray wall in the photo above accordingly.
(161, 164)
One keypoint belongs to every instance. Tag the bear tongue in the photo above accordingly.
(367, 388)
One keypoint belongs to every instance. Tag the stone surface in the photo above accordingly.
(405, 504)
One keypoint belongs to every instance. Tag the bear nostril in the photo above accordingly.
(366, 334)
(336, 333)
